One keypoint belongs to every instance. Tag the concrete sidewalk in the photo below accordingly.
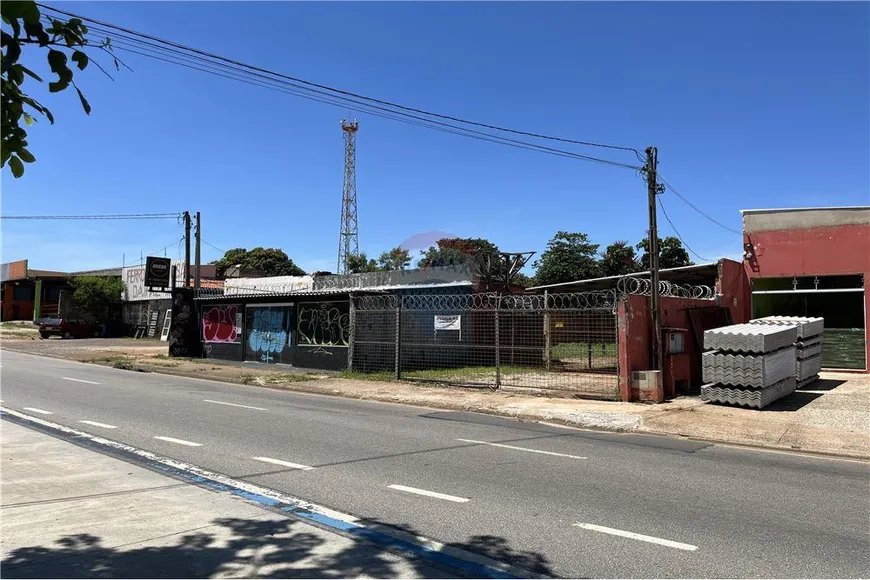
(72, 512)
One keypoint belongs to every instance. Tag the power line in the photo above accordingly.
(141, 216)
(338, 94)
(665, 213)
(213, 246)
(697, 209)
(186, 62)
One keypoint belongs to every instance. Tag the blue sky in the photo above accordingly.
(751, 105)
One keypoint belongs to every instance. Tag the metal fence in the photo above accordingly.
(565, 343)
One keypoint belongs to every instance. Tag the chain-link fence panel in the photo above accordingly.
(560, 343)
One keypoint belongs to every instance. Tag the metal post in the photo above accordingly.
(398, 349)
(352, 331)
(497, 344)
(187, 249)
(172, 277)
(654, 189)
(197, 254)
(547, 338)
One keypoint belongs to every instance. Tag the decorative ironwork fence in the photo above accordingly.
(564, 343)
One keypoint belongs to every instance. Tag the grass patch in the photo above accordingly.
(108, 360)
(126, 365)
(376, 376)
(17, 329)
(276, 379)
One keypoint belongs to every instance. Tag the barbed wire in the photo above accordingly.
(643, 287)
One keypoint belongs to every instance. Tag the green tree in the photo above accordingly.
(359, 263)
(395, 259)
(618, 259)
(452, 251)
(569, 256)
(271, 261)
(64, 42)
(99, 296)
(672, 254)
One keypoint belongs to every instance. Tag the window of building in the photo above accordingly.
(21, 292)
(52, 294)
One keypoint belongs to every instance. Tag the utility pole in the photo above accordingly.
(198, 239)
(187, 249)
(654, 189)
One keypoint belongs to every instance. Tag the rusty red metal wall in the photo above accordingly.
(634, 326)
(815, 251)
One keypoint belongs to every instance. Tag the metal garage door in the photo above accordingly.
(838, 299)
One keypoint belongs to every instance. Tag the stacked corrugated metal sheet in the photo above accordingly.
(749, 370)
(808, 345)
(749, 364)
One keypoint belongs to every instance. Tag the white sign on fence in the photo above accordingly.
(448, 322)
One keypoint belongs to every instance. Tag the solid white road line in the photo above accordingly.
(40, 411)
(179, 441)
(641, 537)
(284, 463)
(235, 405)
(434, 494)
(522, 448)
(79, 380)
(95, 424)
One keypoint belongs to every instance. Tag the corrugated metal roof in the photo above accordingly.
(665, 271)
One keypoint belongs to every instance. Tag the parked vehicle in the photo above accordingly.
(67, 328)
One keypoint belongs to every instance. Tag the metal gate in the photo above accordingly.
(561, 343)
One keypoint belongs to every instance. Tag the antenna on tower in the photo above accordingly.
(348, 236)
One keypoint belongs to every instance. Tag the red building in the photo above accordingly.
(813, 262)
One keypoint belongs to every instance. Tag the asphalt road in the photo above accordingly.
(565, 502)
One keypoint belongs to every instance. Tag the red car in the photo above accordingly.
(67, 328)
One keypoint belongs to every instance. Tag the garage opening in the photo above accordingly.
(838, 299)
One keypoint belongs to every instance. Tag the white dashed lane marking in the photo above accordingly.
(428, 493)
(235, 405)
(95, 424)
(40, 411)
(284, 463)
(522, 448)
(179, 441)
(79, 380)
(641, 537)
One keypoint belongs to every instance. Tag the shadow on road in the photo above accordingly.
(242, 548)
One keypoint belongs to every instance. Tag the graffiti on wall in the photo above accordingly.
(184, 338)
(222, 324)
(323, 325)
(267, 336)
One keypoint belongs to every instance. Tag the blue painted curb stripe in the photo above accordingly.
(469, 568)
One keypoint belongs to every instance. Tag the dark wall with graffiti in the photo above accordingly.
(307, 334)
(184, 336)
(222, 335)
(323, 334)
(269, 333)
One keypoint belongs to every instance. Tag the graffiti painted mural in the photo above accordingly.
(269, 338)
(324, 324)
(222, 324)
